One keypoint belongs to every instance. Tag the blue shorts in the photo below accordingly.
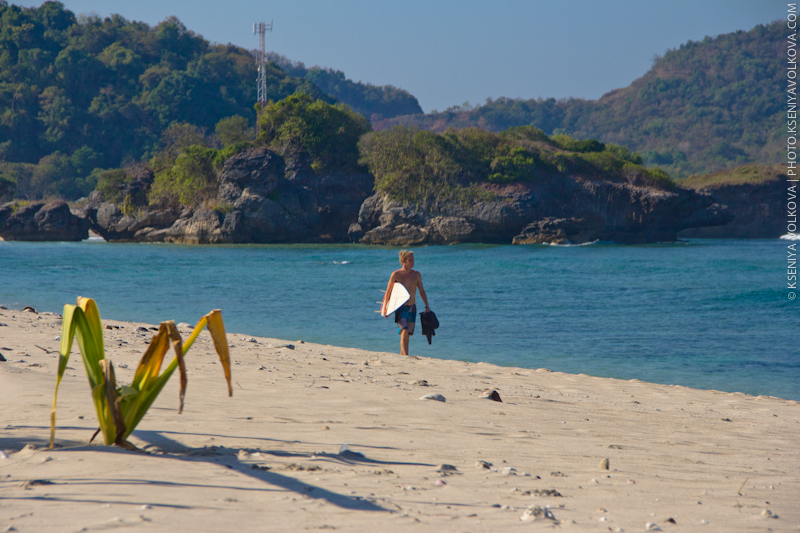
(406, 318)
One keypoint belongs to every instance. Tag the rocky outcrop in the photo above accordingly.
(108, 220)
(552, 230)
(41, 221)
(757, 211)
(261, 199)
(569, 210)
(265, 198)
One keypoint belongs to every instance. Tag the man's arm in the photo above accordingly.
(422, 291)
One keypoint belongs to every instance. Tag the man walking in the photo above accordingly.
(406, 316)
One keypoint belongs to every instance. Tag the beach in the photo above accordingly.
(322, 437)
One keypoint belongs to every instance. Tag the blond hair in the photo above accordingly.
(404, 255)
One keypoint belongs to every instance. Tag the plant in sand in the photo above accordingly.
(120, 408)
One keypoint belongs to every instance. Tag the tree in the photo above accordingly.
(190, 181)
(327, 134)
(233, 130)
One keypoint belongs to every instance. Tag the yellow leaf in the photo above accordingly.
(217, 329)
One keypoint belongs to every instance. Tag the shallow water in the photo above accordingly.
(705, 314)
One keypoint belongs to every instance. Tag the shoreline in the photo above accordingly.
(421, 340)
(278, 449)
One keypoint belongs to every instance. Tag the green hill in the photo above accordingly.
(702, 107)
(374, 102)
(85, 93)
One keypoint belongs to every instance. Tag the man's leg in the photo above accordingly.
(404, 336)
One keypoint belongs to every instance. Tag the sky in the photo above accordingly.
(447, 52)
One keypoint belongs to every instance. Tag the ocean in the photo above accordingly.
(708, 314)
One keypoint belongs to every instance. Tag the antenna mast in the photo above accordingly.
(261, 60)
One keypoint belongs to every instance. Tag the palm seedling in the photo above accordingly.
(120, 408)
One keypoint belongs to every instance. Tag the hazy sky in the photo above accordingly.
(449, 51)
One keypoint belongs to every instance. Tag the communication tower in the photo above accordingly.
(261, 60)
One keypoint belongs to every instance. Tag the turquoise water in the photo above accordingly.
(705, 314)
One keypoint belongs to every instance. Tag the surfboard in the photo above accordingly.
(398, 297)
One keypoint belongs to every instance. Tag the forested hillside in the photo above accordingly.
(81, 93)
(374, 102)
(702, 107)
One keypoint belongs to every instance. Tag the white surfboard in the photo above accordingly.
(398, 297)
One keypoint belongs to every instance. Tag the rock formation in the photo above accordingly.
(41, 221)
(569, 210)
(261, 199)
(757, 210)
(266, 198)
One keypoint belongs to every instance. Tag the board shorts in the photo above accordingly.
(406, 318)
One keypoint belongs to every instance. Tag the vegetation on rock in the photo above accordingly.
(743, 175)
(327, 135)
(420, 167)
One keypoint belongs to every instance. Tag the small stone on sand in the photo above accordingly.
(434, 396)
(766, 513)
(604, 464)
(483, 464)
(537, 513)
(543, 492)
(444, 467)
(491, 394)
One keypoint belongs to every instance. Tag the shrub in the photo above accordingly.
(624, 153)
(230, 151)
(7, 188)
(527, 133)
(190, 181)
(516, 165)
(111, 183)
(565, 142)
(233, 130)
(327, 134)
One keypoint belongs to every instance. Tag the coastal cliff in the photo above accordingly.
(755, 196)
(41, 221)
(261, 199)
(576, 211)
(264, 199)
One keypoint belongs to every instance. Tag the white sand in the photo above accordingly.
(268, 458)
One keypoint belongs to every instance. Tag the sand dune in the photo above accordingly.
(321, 437)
